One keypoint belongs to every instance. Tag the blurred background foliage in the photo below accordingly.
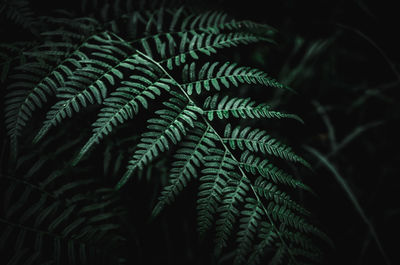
(342, 59)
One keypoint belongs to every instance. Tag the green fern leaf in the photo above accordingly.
(258, 140)
(240, 108)
(268, 238)
(124, 104)
(234, 193)
(219, 168)
(189, 158)
(174, 122)
(256, 165)
(42, 81)
(87, 86)
(249, 222)
(205, 44)
(272, 192)
(216, 75)
(44, 218)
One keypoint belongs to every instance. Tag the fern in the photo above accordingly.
(189, 159)
(40, 81)
(164, 131)
(240, 108)
(19, 12)
(134, 65)
(213, 75)
(79, 227)
(256, 140)
(125, 102)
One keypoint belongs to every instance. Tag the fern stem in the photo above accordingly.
(227, 150)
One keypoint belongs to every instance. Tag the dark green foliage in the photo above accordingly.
(151, 73)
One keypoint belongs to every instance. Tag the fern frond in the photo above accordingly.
(219, 168)
(172, 124)
(279, 255)
(190, 47)
(88, 84)
(41, 82)
(188, 159)
(301, 240)
(170, 21)
(271, 192)
(268, 237)
(258, 140)
(287, 217)
(18, 11)
(233, 194)
(125, 102)
(240, 108)
(78, 227)
(13, 53)
(18, 104)
(179, 21)
(249, 222)
(256, 165)
(216, 75)
(204, 22)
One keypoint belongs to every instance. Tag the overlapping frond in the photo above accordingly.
(244, 108)
(263, 167)
(214, 75)
(175, 49)
(129, 63)
(18, 11)
(257, 140)
(251, 218)
(60, 224)
(219, 168)
(125, 102)
(234, 193)
(168, 128)
(89, 83)
(189, 158)
(12, 53)
(39, 79)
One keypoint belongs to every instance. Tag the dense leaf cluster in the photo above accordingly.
(150, 73)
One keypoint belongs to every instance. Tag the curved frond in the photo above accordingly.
(188, 160)
(215, 75)
(219, 168)
(265, 168)
(272, 193)
(20, 12)
(225, 107)
(257, 140)
(48, 224)
(249, 222)
(89, 84)
(191, 46)
(234, 193)
(124, 104)
(41, 79)
(168, 129)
